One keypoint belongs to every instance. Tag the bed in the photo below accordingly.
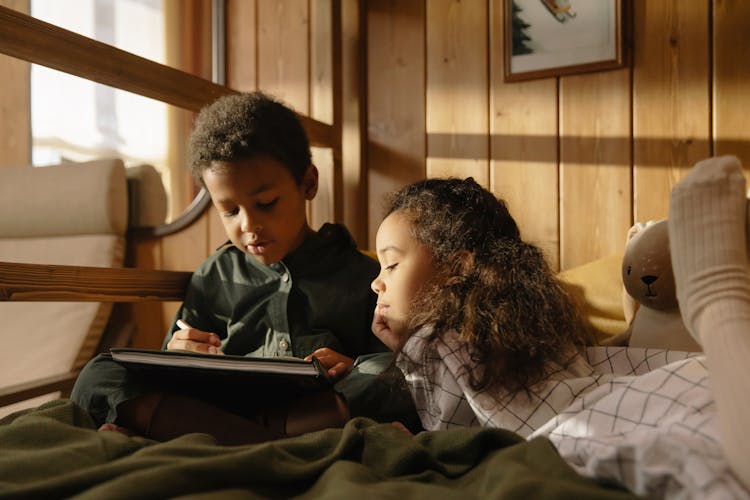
(55, 451)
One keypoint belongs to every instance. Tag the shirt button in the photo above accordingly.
(284, 345)
(285, 277)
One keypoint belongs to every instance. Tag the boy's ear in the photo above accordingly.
(310, 182)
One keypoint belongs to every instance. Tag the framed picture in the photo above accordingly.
(546, 38)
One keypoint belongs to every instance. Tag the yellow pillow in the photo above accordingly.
(597, 286)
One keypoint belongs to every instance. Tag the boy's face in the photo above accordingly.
(261, 205)
(406, 265)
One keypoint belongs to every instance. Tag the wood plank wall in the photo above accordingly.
(578, 158)
(15, 104)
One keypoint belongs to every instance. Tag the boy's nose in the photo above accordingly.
(247, 225)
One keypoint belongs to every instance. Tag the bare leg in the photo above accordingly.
(315, 412)
(162, 416)
(707, 231)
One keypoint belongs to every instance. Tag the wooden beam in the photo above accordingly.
(55, 283)
(30, 39)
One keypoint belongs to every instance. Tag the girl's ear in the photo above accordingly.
(310, 182)
(461, 266)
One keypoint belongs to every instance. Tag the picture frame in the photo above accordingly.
(545, 38)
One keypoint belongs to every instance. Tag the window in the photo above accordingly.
(73, 119)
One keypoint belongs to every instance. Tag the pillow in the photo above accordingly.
(63, 200)
(597, 286)
(147, 199)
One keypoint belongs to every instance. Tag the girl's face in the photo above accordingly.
(406, 265)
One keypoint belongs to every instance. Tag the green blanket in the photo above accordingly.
(54, 451)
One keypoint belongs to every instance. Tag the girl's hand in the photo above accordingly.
(192, 339)
(383, 331)
(337, 364)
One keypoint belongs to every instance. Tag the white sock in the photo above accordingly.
(707, 232)
(707, 226)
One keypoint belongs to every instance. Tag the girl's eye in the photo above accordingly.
(267, 206)
(391, 267)
(231, 213)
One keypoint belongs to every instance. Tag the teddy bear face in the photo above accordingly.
(647, 268)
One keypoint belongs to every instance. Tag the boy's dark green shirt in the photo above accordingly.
(318, 296)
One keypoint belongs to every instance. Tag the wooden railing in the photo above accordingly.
(30, 39)
(55, 283)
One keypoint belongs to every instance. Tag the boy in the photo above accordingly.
(279, 289)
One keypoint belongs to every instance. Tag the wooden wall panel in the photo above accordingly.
(184, 251)
(595, 174)
(457, 96)
(731, 79)
(670, 98)
(148, 317)
(241, 45)
(395, 100)
(523, 148)
(283, 51)
(321, 106)
(15, 104)
(188, 48)
(353, 100)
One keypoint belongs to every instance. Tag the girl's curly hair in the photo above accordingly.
(241, 126)
(494, 289)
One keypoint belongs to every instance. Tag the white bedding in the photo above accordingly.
(643, 418)
(653, 430)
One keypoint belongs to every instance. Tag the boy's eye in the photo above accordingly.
(391, 267)
(267, 206)
(231, 213)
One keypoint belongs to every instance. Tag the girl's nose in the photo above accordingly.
(377, 285)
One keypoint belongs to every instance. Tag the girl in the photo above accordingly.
(486, 334)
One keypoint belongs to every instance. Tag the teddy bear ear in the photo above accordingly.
(638, 227)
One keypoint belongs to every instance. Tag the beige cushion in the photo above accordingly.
(146, 196)
(74, 198)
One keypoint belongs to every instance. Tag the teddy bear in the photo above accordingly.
(649, 294)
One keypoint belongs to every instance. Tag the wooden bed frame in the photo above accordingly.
(35, 41)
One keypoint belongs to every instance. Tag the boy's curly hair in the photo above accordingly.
(494, 289)
(241, 126)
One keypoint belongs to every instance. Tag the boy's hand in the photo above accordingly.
(192, 339)
(337, 364)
